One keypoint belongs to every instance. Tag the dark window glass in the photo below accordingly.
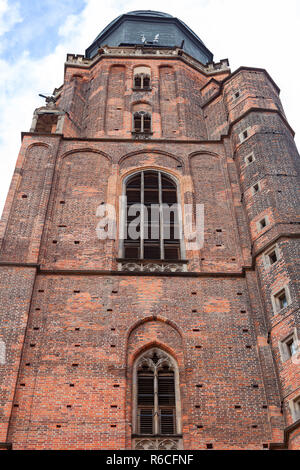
(158, 193)
(137, 81)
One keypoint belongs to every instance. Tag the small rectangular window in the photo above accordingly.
(244, 135)
(281, 299)
(255, 188)
(271, 256)
(262, 223)
(289, 346)
(249, 159)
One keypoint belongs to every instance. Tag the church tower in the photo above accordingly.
(175, 326)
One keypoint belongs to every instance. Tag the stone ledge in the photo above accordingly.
(157, 443)
(158, 266)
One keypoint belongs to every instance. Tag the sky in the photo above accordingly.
(36, 35)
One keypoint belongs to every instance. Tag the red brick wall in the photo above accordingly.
(210, 334)
(70, 385)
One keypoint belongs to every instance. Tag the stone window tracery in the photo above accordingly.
(156, 401)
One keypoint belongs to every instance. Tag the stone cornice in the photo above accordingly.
(140, 52)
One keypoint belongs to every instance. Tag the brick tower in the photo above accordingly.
(152, 342)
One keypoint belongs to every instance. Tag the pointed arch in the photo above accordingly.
(156, 399)
(178, 161)
(86, 149)
(158, 318)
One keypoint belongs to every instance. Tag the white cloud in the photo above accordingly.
(9, 16)
(260, 34)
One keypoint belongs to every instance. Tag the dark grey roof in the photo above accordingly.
(129, 29)
(149, 13)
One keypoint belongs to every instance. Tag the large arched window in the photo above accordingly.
(156, 396)
(152, 218)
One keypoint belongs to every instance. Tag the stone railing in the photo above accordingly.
(157, 443)
(152, 266)
(209, 69)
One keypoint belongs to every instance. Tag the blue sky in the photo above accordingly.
(36, 35)
(38, 28)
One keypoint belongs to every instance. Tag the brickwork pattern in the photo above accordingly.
(73, 325)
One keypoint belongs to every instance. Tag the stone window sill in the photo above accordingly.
(154, 266)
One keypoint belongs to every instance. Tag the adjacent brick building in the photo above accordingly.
(149, 344)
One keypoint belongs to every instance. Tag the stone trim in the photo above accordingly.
(266, 254)
(274, 299)
(157, 443)
(157, 266)
(295, 409)
(125, 52)
(282, 345)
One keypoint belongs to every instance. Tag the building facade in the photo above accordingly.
(153, 342)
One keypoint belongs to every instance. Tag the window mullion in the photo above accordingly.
(180, 223)
(161, 218)
(142, 122)
(156, 410)
(123, 222)
(142, 215)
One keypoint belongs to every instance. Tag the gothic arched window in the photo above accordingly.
(142, 122)
(156, 400)
(152, 220)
